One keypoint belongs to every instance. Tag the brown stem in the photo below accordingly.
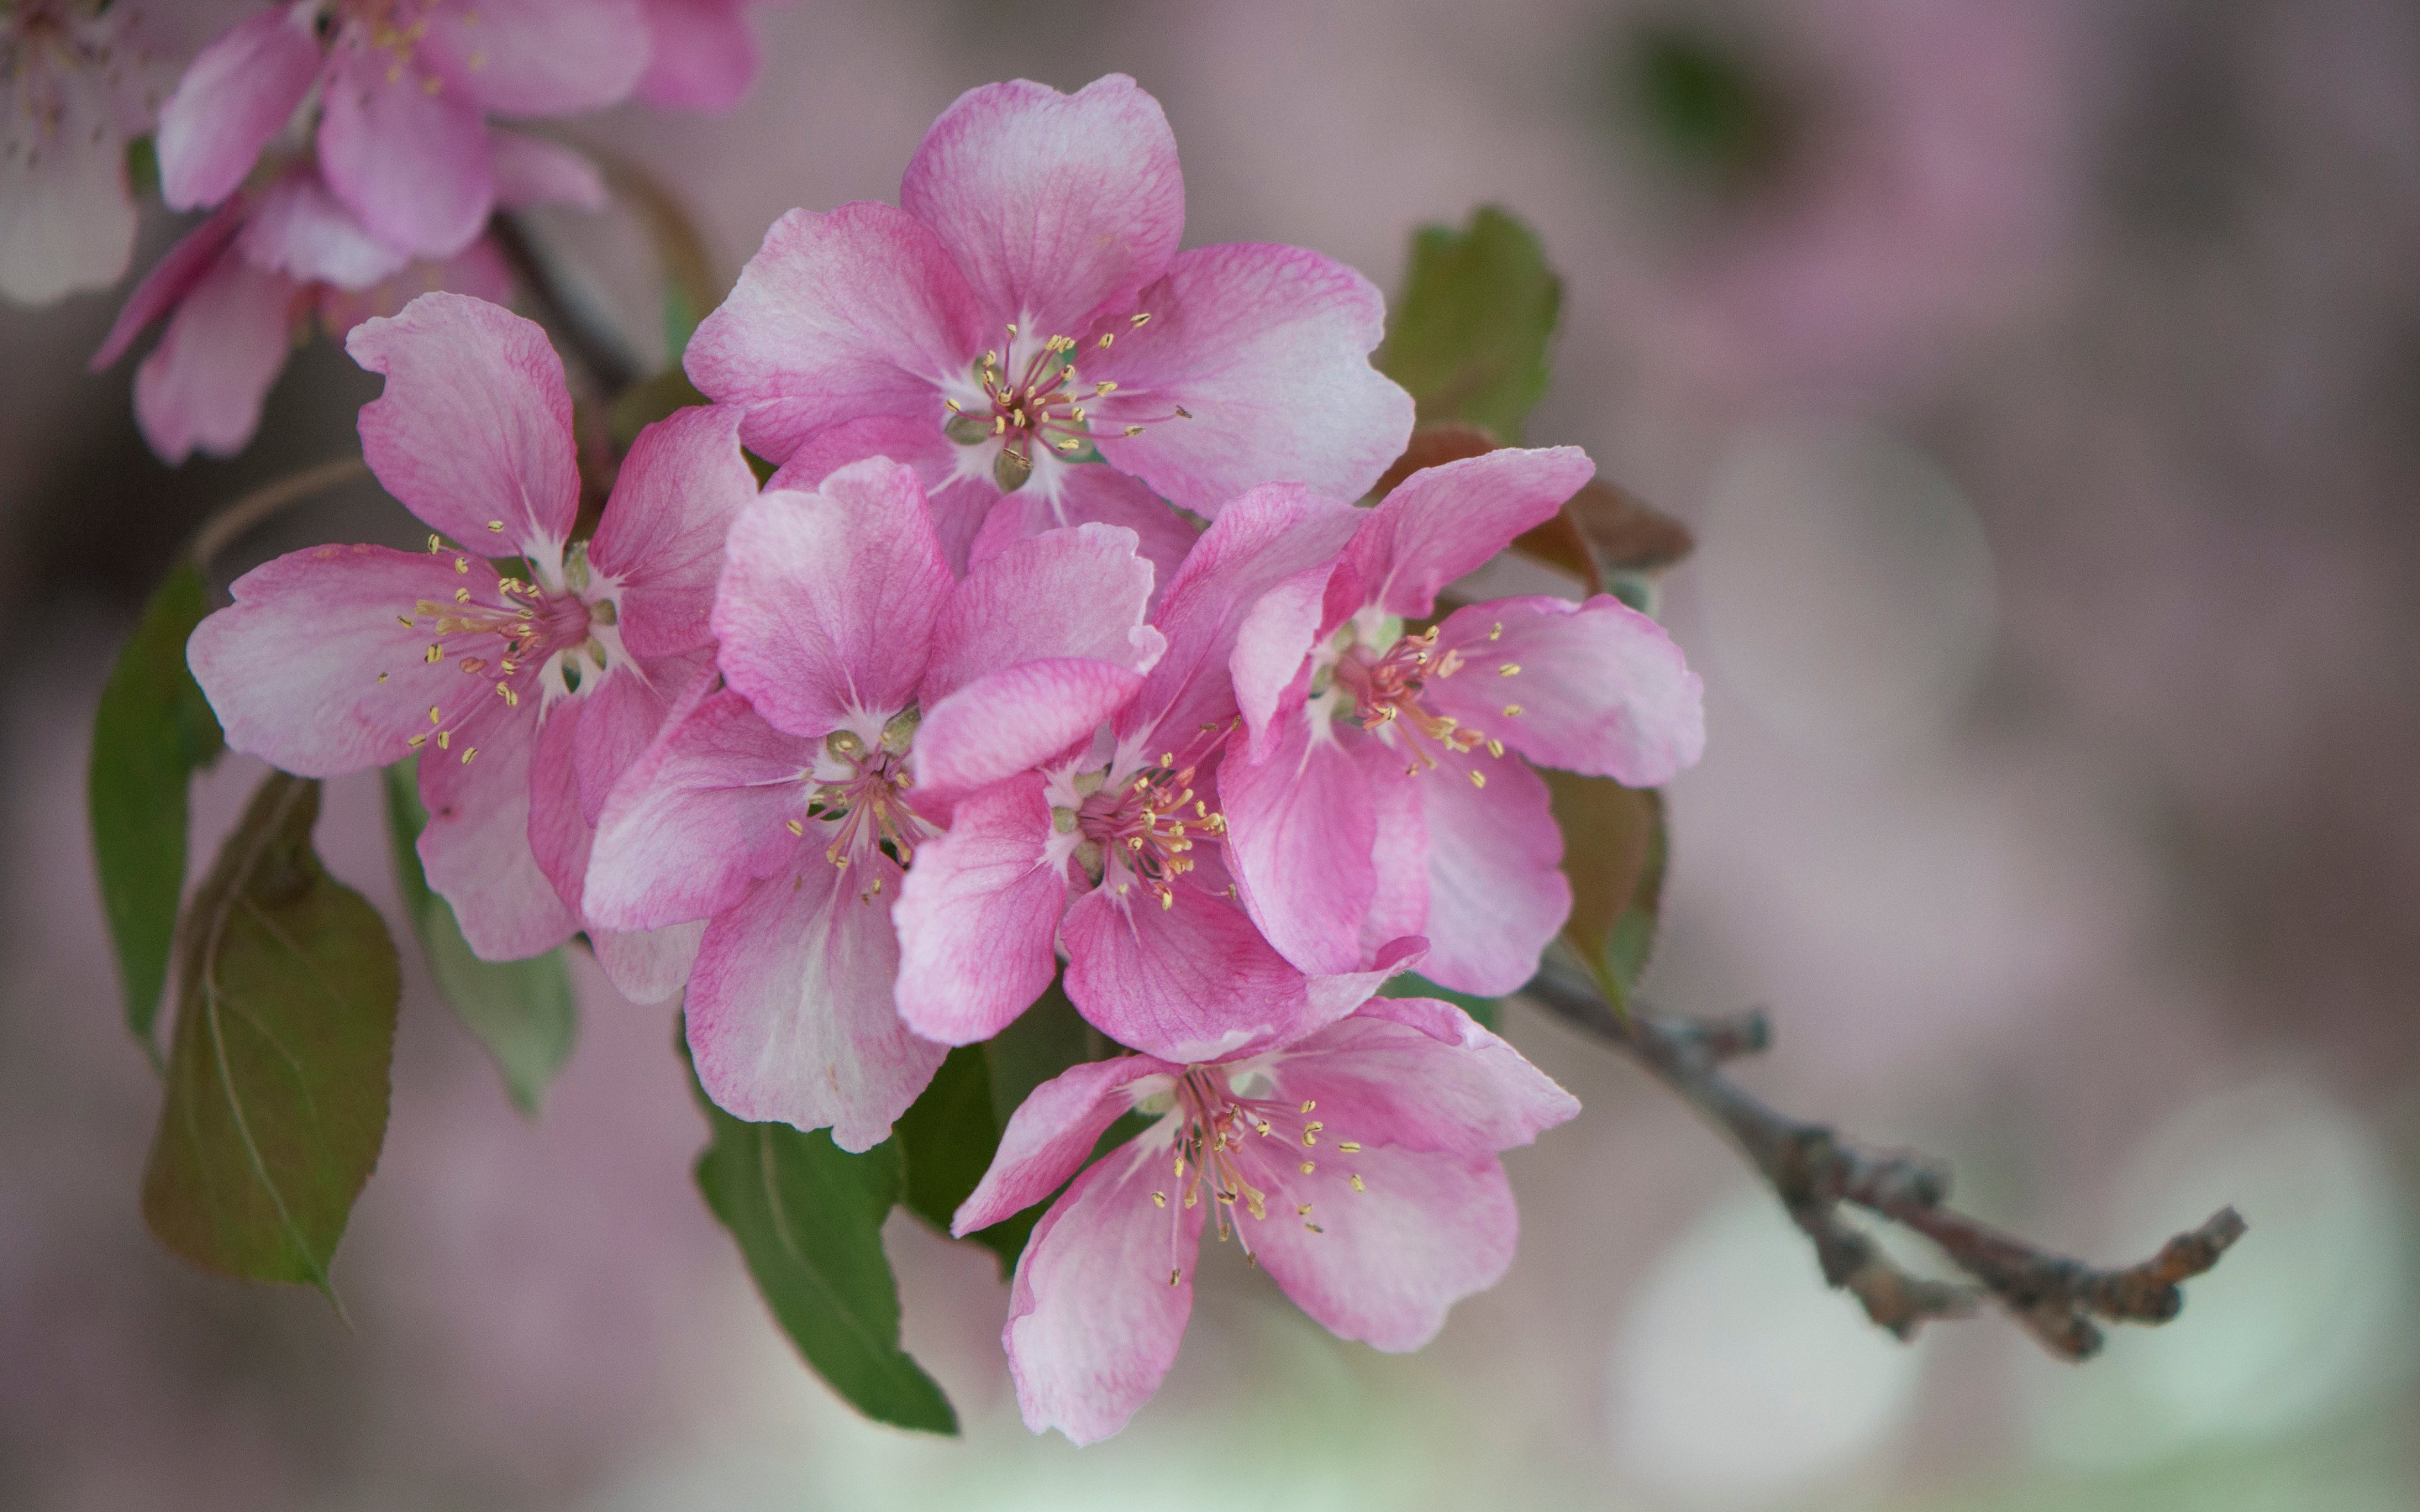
(592, 344)
(224, 528)
(1815, 1173)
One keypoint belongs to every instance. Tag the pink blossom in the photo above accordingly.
(1112, 851)
(404, 90)
(868, 690)
(1356, 1166)
(76, 81)
(1378, 787)
(524, 697)
(701, 54)
(239, 288)
(1025, 311)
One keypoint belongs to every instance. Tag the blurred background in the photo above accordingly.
(2043, 378)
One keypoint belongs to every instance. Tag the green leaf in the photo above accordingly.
(522, 1011)
(1614, 852)
(278, 1076)
(1468, 338)
(1412, 985)
(142, 166)
(152, 731)
(947, 1139)
(808, 1216)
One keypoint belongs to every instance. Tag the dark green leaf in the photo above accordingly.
(152, 730)
(522, 1011)
(1468, 338)
(1411, 985)
(142, 166)
(1613, 852)
(278, 1076)
(808, 1217)
(947, 1139)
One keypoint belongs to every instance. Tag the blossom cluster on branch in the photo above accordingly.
(1021, 687)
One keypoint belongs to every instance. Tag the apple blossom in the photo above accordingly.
(403, 92)
(701, 54)
(867, 688)
(1025, 311)
(1357, 1164)
(1378, 788)
(525, 696)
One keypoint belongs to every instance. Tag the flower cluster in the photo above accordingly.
(349, 152)
(1059, 646)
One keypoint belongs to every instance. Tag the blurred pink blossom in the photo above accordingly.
(404, 93)
(1374, 1141)
(700, 56)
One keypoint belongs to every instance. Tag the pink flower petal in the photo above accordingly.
(310, 669)
(237, 94)
(1268, 348)
(1091, 495)
(1077, 592)
(679, 489)
(202, 386)
(559, 836)
(474, 425)
(1497, 891)
(531, 171)
(177, 273)
(699, 815)
(959, 504)
(1011, 721)
(1602, 689)
(1190, 981)
(978, 916)
(828, 599)
(1101, 1297)
(1423, 1232)
(621, 713)
(1052, 1133)
(477, 271)
(838, 317)
(1301, 841)
(652, 964)
(68, 221)
(1420, 1074)
(1054, 206)
(413, 165)
(299, 229)
(539, 58)
(1262, 538)
(703, 57)
(1270, 664)
(789, 1006)
(1399, 905)
(1446, 520)
(476, 849)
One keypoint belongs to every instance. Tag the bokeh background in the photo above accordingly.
(2042, 378)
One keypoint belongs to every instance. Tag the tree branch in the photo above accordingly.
(1816, 1173)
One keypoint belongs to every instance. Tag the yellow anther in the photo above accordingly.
(952, 406)
(382, 677)
(512, 700)
(417, 741)
(1105, 386)
(1308, 1103)
(1511, 711)
(432, 714)
(462, 596)
(1302, 1210)
(1012, 328)
(1175, 1276)
(445, 739)
(404, 620)
(1106, 339)
(1510, 669)
(1183, 413)
(1496, 634)
(1134, 430)
(436, 544)
(461, 564)
(1312, 1226)
(1308, 1167)
(1356, 1182)
(469, 751)
(495, 527)
(795, 827)
(1351, 1147)
(1140, 321)
(1159, 1199)
(1478, 779)
(1495, 748)
(435, 656)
